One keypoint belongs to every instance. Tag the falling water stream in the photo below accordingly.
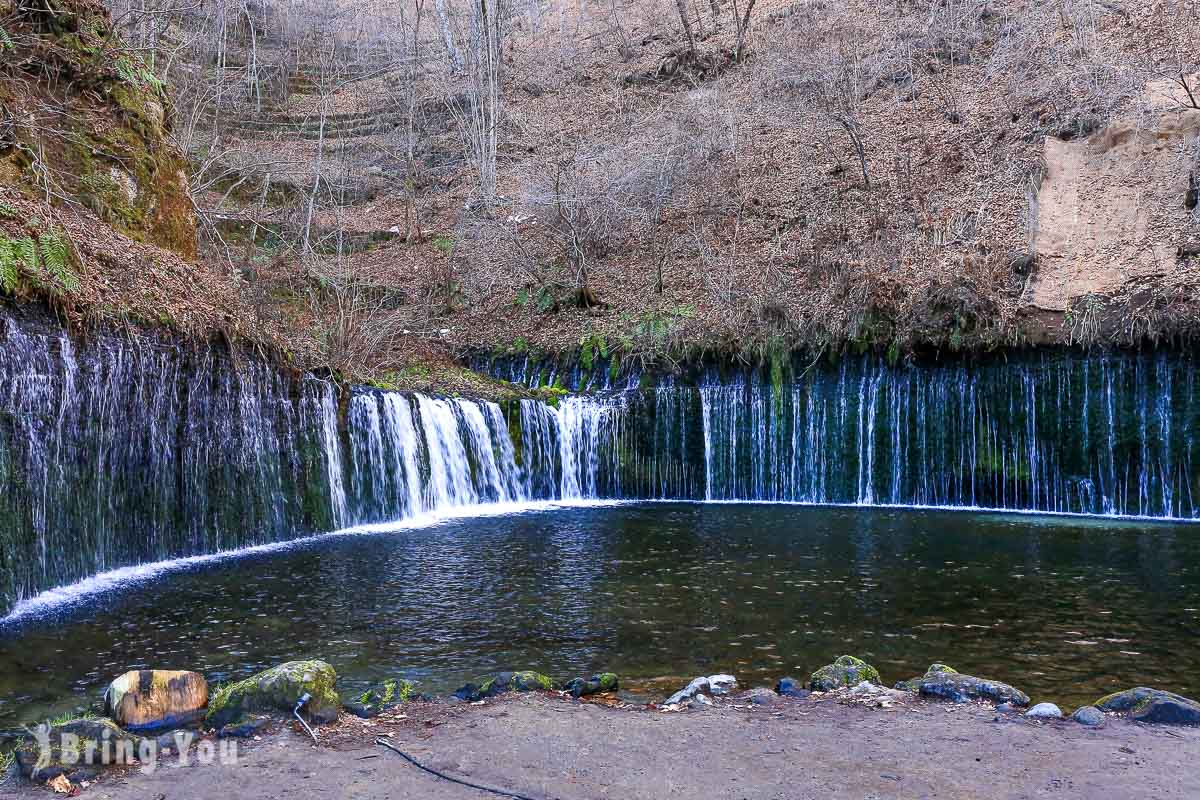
(117, 452)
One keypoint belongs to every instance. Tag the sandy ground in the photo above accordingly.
(547, 747)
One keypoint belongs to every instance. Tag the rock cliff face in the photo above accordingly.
(83, 120)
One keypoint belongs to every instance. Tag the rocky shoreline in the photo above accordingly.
(155, 713)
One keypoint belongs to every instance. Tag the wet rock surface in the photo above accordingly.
(1152, 705)
(279, 689)
(501, 682)
(790, 687)
(702, 688)
(600, 683)
(845, 671)
(945, 682)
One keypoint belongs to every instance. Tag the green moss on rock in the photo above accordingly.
(845, 671)
(600, 683)
(1152, 705)
(279, 689)
(501, 682)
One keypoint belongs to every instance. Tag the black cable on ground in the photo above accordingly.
(450, 778)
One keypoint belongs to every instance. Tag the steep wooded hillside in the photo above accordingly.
(389, 184)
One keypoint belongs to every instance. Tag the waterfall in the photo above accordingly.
(119, 450)
(1053, 432)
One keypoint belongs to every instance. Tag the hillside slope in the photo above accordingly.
(925, 176)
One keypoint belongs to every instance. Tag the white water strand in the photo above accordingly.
(450, 481)
(581, 422)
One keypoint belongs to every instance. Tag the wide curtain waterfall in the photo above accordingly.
(118, 450)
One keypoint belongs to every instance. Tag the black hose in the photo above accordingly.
(450, 778)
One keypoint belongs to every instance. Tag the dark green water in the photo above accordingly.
(1065, 608)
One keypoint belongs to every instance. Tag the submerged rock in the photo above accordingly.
(147, 700)
(600, 683)
(790, 687)
(279, 689)
(1045, 711)
(501, 682)
(1089, 715)
(1152, 705)
(845, 671)
(74, 746)
(948, 683)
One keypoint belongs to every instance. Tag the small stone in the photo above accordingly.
(1007, 708)
(761, 696)
(701, 700)
(790, 687)
(1089, 715)
(721, 684)
(1045, 711)
(698, 686)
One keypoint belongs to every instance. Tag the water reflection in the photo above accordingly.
(1065, 608)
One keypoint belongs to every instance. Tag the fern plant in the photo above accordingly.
(6, 42)
(16, 255)
(9, 271)
(126, 70)
(55, 254)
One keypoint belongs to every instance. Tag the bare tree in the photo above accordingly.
(477, 107)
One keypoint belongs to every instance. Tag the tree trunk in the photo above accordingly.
(681, 5)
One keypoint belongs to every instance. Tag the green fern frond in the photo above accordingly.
(7, 211)
(25, 252)
(9, 273)
(126, 70)
(56, 260)
(6, 42)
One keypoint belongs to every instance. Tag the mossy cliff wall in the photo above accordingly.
(84, 119)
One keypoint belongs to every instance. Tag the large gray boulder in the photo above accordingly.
(946, 683)
(1152, 705)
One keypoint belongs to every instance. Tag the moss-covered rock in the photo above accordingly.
(501, 682)
(946, 683)
(600, 683)
(79, 744)
(845, 671)
(381, 697)
(1152, 705)
(279, 689)
(145, 700)
(914, 684)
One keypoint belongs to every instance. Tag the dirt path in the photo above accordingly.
(545, 747)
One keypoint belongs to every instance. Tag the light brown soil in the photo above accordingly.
(542, 746)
